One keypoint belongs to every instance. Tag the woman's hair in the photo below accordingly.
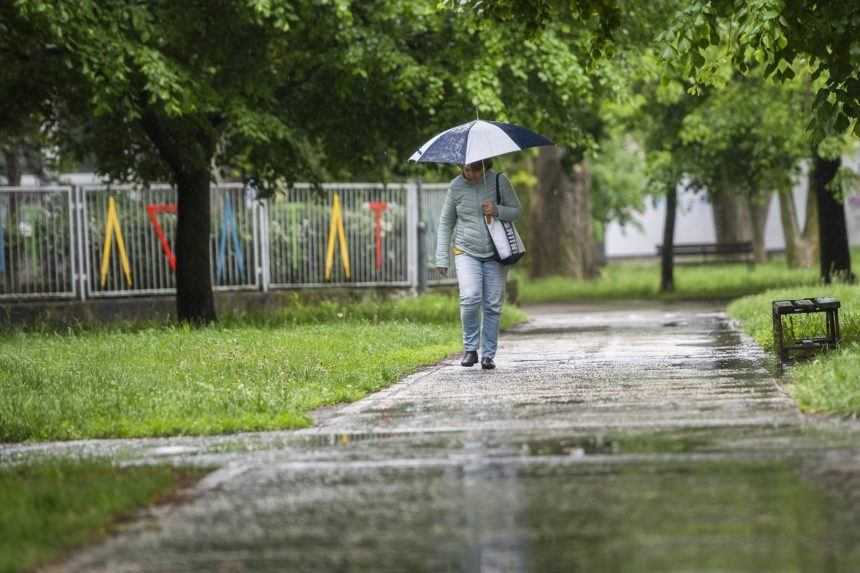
(487, 164)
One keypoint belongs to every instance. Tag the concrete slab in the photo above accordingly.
(609, 438)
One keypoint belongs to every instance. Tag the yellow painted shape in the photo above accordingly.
(112, 228)
(335, 228)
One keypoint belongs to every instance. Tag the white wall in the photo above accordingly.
(695, 222)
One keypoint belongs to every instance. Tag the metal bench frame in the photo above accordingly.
(713, 252)
(830, 308)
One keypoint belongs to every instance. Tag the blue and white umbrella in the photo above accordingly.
(477, 140)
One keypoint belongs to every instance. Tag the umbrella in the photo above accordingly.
(477, 140)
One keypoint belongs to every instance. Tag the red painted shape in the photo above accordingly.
(378, 208)
(153, 210)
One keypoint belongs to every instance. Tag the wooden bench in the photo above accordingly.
(702, 253)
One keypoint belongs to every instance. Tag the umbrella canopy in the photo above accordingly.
(477, 140)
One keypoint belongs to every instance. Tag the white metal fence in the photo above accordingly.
(117, 241)
(37, 251)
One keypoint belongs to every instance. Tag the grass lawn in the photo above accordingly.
(830, 382)
(251, 374)
(641, 280)
(52, 507)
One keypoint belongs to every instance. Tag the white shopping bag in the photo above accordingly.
(507, 244)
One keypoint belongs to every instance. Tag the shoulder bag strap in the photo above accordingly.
(498, 192)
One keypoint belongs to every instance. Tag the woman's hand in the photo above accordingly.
(442, 271)
(489, 208)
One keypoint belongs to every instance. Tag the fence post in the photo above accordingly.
(422, 240)
(264, 269)
(79, 217)
(413, 219)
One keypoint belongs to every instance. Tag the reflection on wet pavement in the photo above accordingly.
(608, 439)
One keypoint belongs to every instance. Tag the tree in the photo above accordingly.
(22, 118)
(785, 38)
(827, 183)
(619, 182)
(156, 90)
(280, 91)
(609, 41)
(570, 78)
(655, 117)
(747, 140)
(549, 80)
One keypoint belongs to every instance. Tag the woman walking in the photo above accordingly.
(471, 197)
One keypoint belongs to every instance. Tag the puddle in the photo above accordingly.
(567, 329)
(322, 441)
(483, 514)
(792, 441)
(172, 451)
(685, 517)
(617, 444)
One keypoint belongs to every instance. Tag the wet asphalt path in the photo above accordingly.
(642, 438)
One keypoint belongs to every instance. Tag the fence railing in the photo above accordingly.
(116, 241)
(37, 248)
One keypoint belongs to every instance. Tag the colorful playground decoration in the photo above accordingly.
(336, 227)
(228, 225)
(112, 228)
(378, 208)
(152, 211)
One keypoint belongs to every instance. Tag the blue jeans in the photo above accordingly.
(482, 287)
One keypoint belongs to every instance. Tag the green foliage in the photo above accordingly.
(600, 17)
(23, 119)
(781, 37)
(619, 182)
(52, 507)
(746, 137)
(653, 114)
(259, 373)
(641, 280)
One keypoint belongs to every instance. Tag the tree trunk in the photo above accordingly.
(560, 227)
(667, 260)
(195, 302)
(13, 167)
(187, 146)
(548, 237)
(811, 232)
(731, 217)
(13, 179)
(759, 206)
(797, 248)
(585, 265)
(833, 232)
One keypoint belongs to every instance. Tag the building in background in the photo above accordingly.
(695, 222)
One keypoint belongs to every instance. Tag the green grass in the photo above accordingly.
(641, 280)
(51, 507)
(830, 383)
(254, 374)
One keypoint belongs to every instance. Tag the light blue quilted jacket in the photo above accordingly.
(463, 215)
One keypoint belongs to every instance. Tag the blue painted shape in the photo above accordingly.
(228, 225)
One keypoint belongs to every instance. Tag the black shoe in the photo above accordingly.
(487, 363)
(470, 358)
